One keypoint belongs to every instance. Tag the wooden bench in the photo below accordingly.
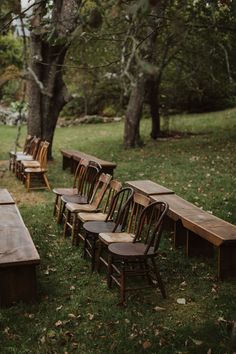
(5, 197)
(18, 256)
(71, 158)
(200, 232)
(148, 187)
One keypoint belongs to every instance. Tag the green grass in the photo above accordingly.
(75, 311)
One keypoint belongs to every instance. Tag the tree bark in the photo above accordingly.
(154, 103)
(133, 115)
(47, 93)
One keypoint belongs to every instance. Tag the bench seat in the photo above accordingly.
(71, 158)
(18, 257)
(198, 231)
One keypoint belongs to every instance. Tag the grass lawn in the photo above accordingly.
(75, 312)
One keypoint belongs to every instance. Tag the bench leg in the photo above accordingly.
(227, 260)
(17, 284)
(180, 234)
(198, 246)
(66, 162)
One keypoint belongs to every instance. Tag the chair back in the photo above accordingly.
(150, 225)
(114, 187)
(100, 190)
(119, 207)
(43, 156)
(34, 147)
(138, 203)
(27, 144)
(88, 178)
(79, 172)
(41, 145)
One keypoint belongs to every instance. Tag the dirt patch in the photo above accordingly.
(9, 181)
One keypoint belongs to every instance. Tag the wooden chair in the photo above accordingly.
(114, 187)
(75, 189)
(72, 209)
(86, 185)
(35, 177)
(114, 221)
(138, 258)
(14, 154)
(32, 155)
(128, 230)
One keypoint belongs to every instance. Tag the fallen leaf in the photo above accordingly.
(71, 315)
(90, 316)
(158, 308)
(51, 334)
(181, 301)
(147, 344)
(58, 323)
(196, 341)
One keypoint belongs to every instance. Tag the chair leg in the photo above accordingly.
(46, 181)
(56, 205)
(99, 254)
(158, 277)
(74, 229)
(147, 272)
(61, 211)
(122, 283)
(67, 220)
(76, 236)
(93, 252)
(109, 272)
(27, 182)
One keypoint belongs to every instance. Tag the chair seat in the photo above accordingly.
(114, 237)
(30, 164)
(75, 208)
(65, 191)
(95, 227)
(36, 170)
(75, 199)
(92, 217)
(17, 153)
(130, 250)
(24, 158)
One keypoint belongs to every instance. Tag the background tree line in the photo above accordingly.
(121, 58)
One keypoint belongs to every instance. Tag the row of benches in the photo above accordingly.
(18, 255)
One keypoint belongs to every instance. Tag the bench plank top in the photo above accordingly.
(10, 216)
(148, 187)
(5, 197)
(17, 247)
(201, 222)
(78, 155)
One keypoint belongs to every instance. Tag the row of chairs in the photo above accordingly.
(118, 228)
(30, 165)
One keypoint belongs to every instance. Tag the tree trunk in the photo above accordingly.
(133, 115)
(154, 103)
(46, 90)
(47, 93)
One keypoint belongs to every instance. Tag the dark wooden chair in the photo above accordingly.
(59, 191)
(114, 187)
(138, 258)
(72, 209)
(128, 230)
(114, 221)
(86, 184)
(35, 177)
